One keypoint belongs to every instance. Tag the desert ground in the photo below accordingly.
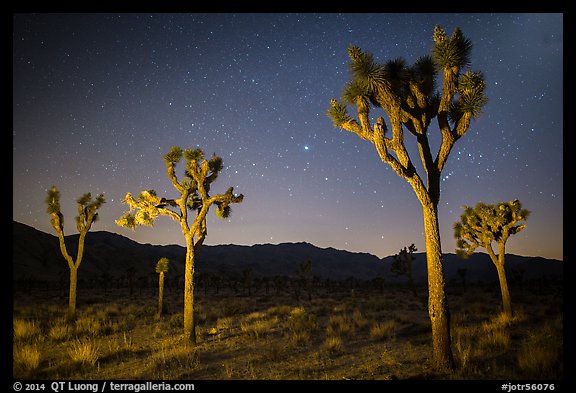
(359, 333)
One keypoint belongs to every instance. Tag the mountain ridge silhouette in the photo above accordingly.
(36, 255)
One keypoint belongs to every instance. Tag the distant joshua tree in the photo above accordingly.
(87, 215)
(305, 277)
(161, 269)
(409, 97)
(402, 265)
(199, 174)
(485, 224)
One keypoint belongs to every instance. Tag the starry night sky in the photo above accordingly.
(98, 99)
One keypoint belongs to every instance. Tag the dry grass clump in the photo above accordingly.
(340, 325)
(383, 330)
(333, 344)
(26, 357)
(301, 324)
(170, 359)
(87, 326)
(60, 331)
(25, 330)
(84, 352)
(540, 354)
(257, 324)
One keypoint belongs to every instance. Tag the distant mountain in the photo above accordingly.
(37, 254)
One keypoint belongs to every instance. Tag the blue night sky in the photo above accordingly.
(98, 99)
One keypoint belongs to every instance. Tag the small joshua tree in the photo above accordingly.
(86, 216)
(194, 189)
(161, 268)
(402, 265)
(485, 224)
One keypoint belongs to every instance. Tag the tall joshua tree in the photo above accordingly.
(485, 224)
(409, 97)
(194, 188)
(87, 215)
(161, 268)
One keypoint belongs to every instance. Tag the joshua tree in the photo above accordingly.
(161, 268)
(485, 224)
(402, 265)
(305, 275)
(194, 189)
(87, 214)
(407, 94)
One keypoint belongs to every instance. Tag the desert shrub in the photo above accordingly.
(25, 330)
(60, 332)
(340, 325)
(359, 319)
(176, 320)
(383, 330)
(84, 352)
(87, 326)
(145, 312)
(26, 357)
(494, 339)
(300, 325)
(333, 344)
(540, 355)
(257, 325)
(172, 363)
(224, 323)
(280, 311)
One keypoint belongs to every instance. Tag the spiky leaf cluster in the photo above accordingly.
(53, 208)
(162, 265)
(338, 113)
(451, 52)
(487, 223)
(86, 209)
(413, 88)
(146, 205)
(199, 174)
(223, 209)
(471, 96)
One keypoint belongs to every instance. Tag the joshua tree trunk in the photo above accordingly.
(437, 303)
(189, 323)
(499, 263)
(160, 293)
(72, 293)
(71, 316)
(506, 302)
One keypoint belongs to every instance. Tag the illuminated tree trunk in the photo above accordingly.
(160, 293)
(189, 322)
(72, 294)
(506, 302)
(437, 303)
(71, 316)
(499, 263)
